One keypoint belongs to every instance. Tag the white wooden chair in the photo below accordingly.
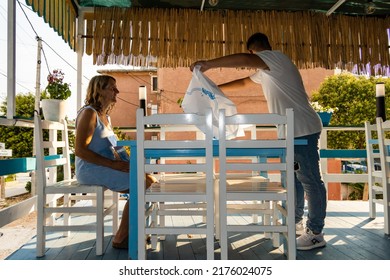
(193, 191)
(54, 152)
(374, 171)
(280, 194)
(256, 207)
(384, 146)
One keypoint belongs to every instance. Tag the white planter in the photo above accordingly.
(53, 109)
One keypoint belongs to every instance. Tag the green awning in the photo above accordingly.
(106, 3)
(61, 15)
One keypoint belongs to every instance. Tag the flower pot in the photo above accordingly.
(325, 117)
(54, 109)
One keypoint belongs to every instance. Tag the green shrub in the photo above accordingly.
(354, 96)
(28, 186)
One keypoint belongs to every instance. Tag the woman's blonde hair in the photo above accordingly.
(93, 98)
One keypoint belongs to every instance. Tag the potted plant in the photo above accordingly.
(54, 105)
(325, 112)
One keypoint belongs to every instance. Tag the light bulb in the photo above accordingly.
(369, 7)
(380, 89)
(213, 2)
(142, 93)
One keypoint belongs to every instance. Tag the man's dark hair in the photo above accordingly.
(257, 41)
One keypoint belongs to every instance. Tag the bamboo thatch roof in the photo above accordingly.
(177, 37)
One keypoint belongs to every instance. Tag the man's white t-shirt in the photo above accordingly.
(283, 88)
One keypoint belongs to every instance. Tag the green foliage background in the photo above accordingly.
(19, 139)
(354, 96)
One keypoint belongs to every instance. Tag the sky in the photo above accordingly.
(57, 55)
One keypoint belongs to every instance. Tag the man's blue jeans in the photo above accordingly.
(299, 200)
(308, 179)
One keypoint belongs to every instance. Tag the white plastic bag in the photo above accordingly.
(203, 93)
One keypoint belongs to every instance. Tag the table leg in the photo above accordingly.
(133, 208)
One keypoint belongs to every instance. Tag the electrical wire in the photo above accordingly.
(19, 84)
(43, 51)
(144, 81)
(36, 35)
(48, 45)
(127, 102)
(138, 79)
(32, 27)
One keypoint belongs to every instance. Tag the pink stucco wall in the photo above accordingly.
(172, 85)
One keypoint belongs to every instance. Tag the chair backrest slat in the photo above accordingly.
(185, 141)
(51, 152)
(275, 143)
(173, 144)
(54, 144)
(281, 146)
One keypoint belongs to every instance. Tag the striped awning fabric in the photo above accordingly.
(61, 15)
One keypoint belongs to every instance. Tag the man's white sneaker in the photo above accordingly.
(308, 240)
(299, 228)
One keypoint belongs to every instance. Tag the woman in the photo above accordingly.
(97, 161)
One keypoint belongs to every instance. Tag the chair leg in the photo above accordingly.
(223, 226)
(141, 231)
(291, 233)
(115, 215)
(267, 219)
(275, 218)
(154, 214)
(67, 220)
(51, 219)
(41, 236)
(216, 213)
(161, 219)
(210, 230)
(99, 221)
(386, 214)
(255, 217)
(371, 204)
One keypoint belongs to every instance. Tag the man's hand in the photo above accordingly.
(203, 65)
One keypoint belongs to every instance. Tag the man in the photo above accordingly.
(283, 88)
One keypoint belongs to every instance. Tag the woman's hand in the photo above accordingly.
(120, 165)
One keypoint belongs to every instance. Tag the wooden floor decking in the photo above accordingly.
(349, 232)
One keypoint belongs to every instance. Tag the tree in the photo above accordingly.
(19, 139)
(354, 98)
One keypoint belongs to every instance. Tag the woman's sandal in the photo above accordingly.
(125, 243)
(148, 240)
